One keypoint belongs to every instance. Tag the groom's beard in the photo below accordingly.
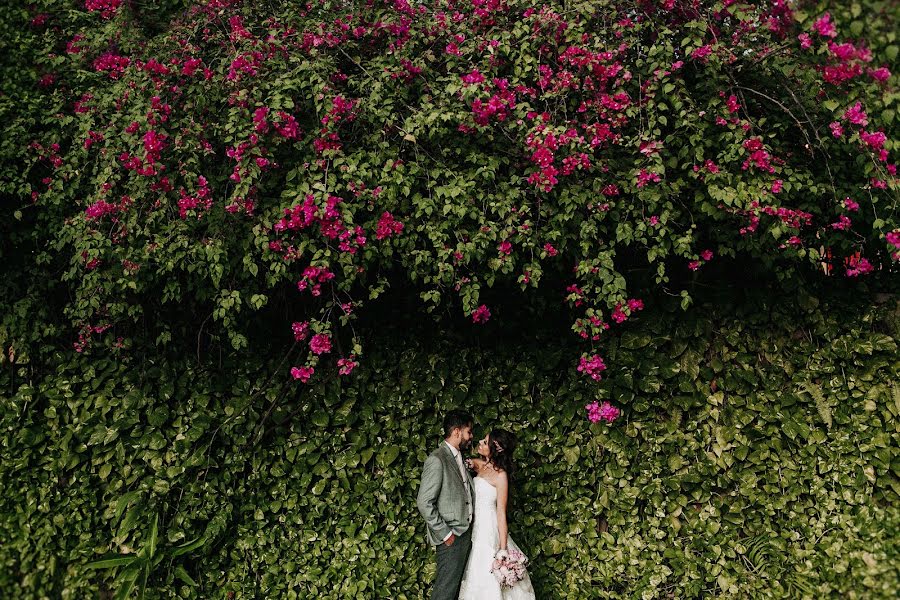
(465, 446)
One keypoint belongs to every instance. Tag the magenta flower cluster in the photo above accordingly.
(313, 278)
(602, 412)
(320, 343)
(481, 314)
(592, 366)
(106, 8)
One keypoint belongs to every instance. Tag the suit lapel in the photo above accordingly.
(448, 455)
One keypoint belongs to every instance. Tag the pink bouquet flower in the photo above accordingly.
(509, 567)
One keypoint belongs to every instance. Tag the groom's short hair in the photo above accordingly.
(456, 418)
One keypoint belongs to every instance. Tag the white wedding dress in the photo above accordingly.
(478, 582)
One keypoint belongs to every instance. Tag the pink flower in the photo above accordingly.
(106, 8)
(759, 157)
(473, 77)
(575, 294)
(644, 177)
(550, 250)
(875, 140)
(732, 104)
(694, 265)
(505, 247)
(287, 126)
(99, 209)
(47, 79)
(618, 315)
(635, 304)
(893, 238)
(856, 115)
(777, 186)
(653, 220)
(301, 330)
(602, 412)
(859, 266)
(805, 40)
(387, 226)
(259, 119)
(497, 106)
(153, 143)
(111, 63)
(843, 223)
(320, 343)
(824, 27)
(72, 46)
(836, 129)
(302, 373)
(190, 66)
(881, 74)
(592, 366)
(851, 205)
(706, 255)
(346, 365)
(702, 53)
(481, 314)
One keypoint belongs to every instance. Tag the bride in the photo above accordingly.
(490, 536)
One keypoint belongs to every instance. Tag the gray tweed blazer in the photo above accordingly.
(442, 498)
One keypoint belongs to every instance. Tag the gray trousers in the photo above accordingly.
(451, 564)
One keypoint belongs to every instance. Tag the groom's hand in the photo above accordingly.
(451, 539)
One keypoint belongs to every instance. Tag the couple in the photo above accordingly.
(466, 516)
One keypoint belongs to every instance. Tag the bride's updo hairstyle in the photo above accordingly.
(502, 444)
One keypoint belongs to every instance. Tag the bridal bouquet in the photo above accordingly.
(509, 567)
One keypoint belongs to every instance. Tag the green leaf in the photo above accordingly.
(188, 546)
(131, 518)
(116, 560)
(151, 541)
(126, 582)
(320, 419)
(572, 454)
(633, 340)
(387, 455)
(181, 574)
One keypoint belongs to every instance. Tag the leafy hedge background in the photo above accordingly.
(742, 188)
(757, 457)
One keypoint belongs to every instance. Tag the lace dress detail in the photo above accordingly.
(478, 581)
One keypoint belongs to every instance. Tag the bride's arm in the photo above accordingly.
(502, 495)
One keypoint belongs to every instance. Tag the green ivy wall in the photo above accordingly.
(757, 456)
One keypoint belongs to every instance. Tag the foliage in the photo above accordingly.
(756, 457)
(200, 196)
(201, 170)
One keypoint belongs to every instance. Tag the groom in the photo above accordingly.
(446, 500)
